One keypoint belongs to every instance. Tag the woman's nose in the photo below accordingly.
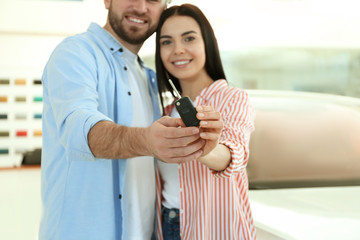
(179, 49)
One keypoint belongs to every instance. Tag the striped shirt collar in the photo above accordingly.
(216, 86)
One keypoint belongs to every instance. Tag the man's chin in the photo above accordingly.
(137, 38)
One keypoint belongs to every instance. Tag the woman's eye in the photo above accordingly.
(189, 39)
(165, 42)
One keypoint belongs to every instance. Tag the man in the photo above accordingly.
(99, 134)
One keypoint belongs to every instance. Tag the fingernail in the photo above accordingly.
(204, 123)
(195, 130)
(201, 114)
(202, 134)
(199, 108)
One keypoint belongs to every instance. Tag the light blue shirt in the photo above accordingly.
(85, 81)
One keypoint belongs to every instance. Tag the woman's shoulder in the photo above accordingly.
(225, 89)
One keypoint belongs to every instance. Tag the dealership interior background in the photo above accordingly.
(298, 59)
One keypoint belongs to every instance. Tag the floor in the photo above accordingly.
(317, 213)
(20, 205)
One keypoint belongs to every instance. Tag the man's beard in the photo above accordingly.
(130, 36)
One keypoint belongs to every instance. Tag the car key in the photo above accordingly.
(185, 109)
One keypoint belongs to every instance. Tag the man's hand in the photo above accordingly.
(170, 141)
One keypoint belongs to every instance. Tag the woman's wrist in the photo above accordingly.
(218, 159)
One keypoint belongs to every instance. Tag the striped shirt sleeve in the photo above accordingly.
(238, 117)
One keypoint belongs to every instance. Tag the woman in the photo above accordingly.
(206, 198)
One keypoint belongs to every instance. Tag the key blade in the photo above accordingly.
(174, 88)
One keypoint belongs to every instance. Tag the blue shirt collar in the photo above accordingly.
(113, 44)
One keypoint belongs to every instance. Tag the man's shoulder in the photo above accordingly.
(82, 39)
(83, 44)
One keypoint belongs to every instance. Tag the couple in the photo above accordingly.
(102, 128)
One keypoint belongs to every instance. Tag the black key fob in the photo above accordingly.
(185, 109)
(187, 112)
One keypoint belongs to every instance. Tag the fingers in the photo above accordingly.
(175, 143)
(192, 157)
(170, 143)
(182, 141)
(182, 154)
(207, 113)
(209, 119)
(173, 130)
(211, 127)
(209, 136)
(170, 122)
(212, 124)
(181, 132)
(204, 108)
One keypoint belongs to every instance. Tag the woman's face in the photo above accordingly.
(182, 48)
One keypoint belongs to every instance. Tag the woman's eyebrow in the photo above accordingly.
(188, 32)
(165, 36)
(183, 34)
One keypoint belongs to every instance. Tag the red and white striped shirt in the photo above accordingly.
(215, 205)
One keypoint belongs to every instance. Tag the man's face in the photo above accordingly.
(135, 20)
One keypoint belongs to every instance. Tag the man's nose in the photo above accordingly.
(139, 5)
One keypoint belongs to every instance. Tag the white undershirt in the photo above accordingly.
(170, 175)
(140, 173)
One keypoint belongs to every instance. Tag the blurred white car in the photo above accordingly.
(304, 166)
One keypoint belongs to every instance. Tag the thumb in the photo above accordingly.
(171, 122)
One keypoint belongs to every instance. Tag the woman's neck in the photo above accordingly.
(193, 87)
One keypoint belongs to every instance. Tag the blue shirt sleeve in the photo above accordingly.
(70, 79)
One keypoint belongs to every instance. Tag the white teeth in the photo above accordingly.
(136, 20)
(181, 62)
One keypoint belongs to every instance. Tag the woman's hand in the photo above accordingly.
(211, 126)
(216, 156)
